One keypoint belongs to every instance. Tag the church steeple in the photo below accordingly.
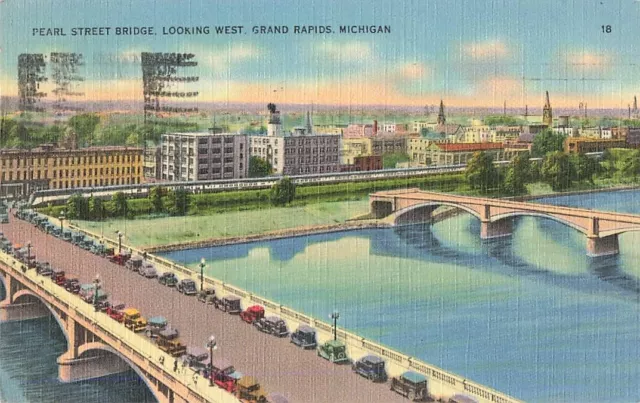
(547, 115)
(309, 124)
(441, 118)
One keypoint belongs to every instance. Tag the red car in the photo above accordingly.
(115, 311)
(120, 259)
(58, 277)
(252, 314)
(224, 381)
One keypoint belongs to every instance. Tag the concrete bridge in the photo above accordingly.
(496, 215)
(96, 345)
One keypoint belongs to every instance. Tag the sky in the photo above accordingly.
(475, 53)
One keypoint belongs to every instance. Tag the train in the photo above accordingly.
(55, 196)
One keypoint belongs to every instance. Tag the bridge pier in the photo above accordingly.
(90, 366)
(496, 229)
(604, 246)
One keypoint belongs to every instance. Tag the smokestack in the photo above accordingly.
(375, 127)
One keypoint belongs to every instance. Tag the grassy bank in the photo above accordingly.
(159, 231)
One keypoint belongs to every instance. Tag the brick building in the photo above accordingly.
(49, 167)
(574, 145)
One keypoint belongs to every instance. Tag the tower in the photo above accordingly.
(309, 125)
(547, 115)
(634, 112)
(441, 119)
(274, 127)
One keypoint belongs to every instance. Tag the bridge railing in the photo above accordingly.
(441, 383)
(135, 347)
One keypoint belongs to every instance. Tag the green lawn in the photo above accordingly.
(159, 231)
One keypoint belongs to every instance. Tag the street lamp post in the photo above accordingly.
(119, 242)
(61, 218)
(28, 251)
(213, 345)
(202, 266)
(335, 315)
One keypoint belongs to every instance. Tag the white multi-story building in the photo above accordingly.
(204, 156)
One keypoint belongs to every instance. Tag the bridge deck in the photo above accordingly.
(281, 367)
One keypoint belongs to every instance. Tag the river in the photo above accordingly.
(530, 315)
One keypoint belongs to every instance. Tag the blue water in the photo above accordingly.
(530, 315)
(29, 373)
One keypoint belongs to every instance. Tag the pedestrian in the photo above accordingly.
(175, 365)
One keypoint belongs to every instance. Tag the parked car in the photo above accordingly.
(168, 278)
(410, 385)
(115, 311)
(462, 399)
(276, 398)
(43, 268)
(229, 304)
(120, 258)
(304, 337)
(58, 277)
(248, 388)
(334, 351)
(148, 270)
(155, 325)
(133, 320)
(77, 239)
(272, 325)
(135, 263)
(87, 244)
(187, 286)
(169, 343)
(206, 295)
(66, 236)
(196, 358)
(4, 218)
(224, 374)
(72, 285)
(5, 245)
(252, 314)
(371, 367)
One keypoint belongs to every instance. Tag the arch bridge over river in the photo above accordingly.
(496, 216)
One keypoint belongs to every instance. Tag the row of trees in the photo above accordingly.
(557, 169)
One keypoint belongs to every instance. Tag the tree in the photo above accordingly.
(259, 168)
(155, 195)
(631, 165)
(583, 168)
(480, 173)
(120, 204)
(389, 161)
(282, 192)
(96, 208)
(557, 171)
(518, 174)
(18, 135)
(84, 125)
(178, 202)
(77, 207)
(547, 142)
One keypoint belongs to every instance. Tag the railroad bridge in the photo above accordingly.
(496, 216)
(96, 345)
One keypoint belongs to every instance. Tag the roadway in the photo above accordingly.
(279, 365)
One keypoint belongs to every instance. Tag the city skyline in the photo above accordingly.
(465, 52)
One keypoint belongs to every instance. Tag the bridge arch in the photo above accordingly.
(27, 294)
(98, 346)
(618, 231)
(397, 215)
(513, 214)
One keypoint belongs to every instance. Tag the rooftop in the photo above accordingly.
(455, 147)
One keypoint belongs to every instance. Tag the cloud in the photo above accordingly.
(413, 71)
(486, 50)
(348, 51)
(588, 60)
(220, 58)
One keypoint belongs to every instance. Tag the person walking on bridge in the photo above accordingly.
(175, 365)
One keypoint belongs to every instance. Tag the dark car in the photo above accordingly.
(72, 285)
(410, 385)
(371, 367)
(228, 303)
(196, 358)
(43, 268)
(272, 325)
(304, 337)
(168, 278)
(187, 287)
(206, 295)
